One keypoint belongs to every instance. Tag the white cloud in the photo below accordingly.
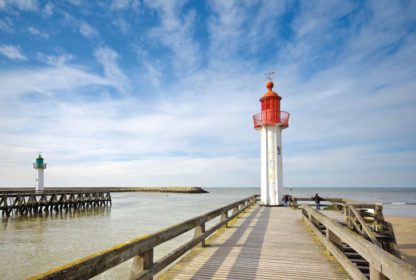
(108, 58)
(55, 60)
(175, 32)
(125, 4)
(25, 5)
(36, 32)
(76, 2)
(353, 166)
(226, 27)
(79, 25)
(12, 52)
(6, 25)
(123, 133)
(122, 24)
(87, 30)
(45, 80)
(48, 9)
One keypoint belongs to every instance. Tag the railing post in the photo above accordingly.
(224, 217)
(347, 214)
(142, 262)
(200, 230)
(378, 213)
(332, 238)
(250, 202)
(235, 210)
(375, 272)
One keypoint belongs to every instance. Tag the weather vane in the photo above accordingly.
(269, 76)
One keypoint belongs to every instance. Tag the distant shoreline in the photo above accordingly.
(111, 189)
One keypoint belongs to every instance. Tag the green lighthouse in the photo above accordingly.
(39, 165)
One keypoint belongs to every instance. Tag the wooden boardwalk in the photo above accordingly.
(267, 243)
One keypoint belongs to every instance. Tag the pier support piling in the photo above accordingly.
(49, 202)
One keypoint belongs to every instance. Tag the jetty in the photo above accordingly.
(111, 189)
(27, 203)
(244, 240)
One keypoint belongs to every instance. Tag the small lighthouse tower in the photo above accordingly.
(270, 122)
(39, 165)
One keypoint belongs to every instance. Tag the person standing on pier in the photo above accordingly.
(285, 200)
(317, 200)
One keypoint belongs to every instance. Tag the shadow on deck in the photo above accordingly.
(268, 243)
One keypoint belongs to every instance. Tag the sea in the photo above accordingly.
(31, 245)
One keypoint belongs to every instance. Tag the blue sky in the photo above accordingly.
(128, 92)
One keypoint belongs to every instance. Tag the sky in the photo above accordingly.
(162, 93)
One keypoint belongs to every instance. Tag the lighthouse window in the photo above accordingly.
(278, 150)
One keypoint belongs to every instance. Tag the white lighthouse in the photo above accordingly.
(39, 165)
(270, 122)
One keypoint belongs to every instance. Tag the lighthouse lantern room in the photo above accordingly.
(39, 165)
(270, 122)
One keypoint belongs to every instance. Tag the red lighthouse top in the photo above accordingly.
(270, 110)
(270, 93)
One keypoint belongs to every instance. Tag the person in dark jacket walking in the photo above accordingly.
(317, 200)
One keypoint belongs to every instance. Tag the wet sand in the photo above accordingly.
(405, 231)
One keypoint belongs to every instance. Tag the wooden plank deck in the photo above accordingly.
(267, 243)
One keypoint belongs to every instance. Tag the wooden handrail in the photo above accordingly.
(381, 262)
(141, 248)
(364, 226)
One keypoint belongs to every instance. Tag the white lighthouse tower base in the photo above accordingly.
(271, 165)
(40, 185)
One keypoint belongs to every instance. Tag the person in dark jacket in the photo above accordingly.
(285, 200)
(317, 200)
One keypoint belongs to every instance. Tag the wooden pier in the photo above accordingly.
(24, 203)
(248, 241)
(268, 243)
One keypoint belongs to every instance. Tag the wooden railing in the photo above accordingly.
(296, 201)
(366, 219)
(381, 263)
(141, 248)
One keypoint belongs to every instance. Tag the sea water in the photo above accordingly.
(31, 245)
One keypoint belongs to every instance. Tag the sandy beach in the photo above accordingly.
(405, 231)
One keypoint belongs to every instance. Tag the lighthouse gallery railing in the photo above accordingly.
(268, 117)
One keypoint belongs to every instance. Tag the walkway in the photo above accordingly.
(267, 243)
